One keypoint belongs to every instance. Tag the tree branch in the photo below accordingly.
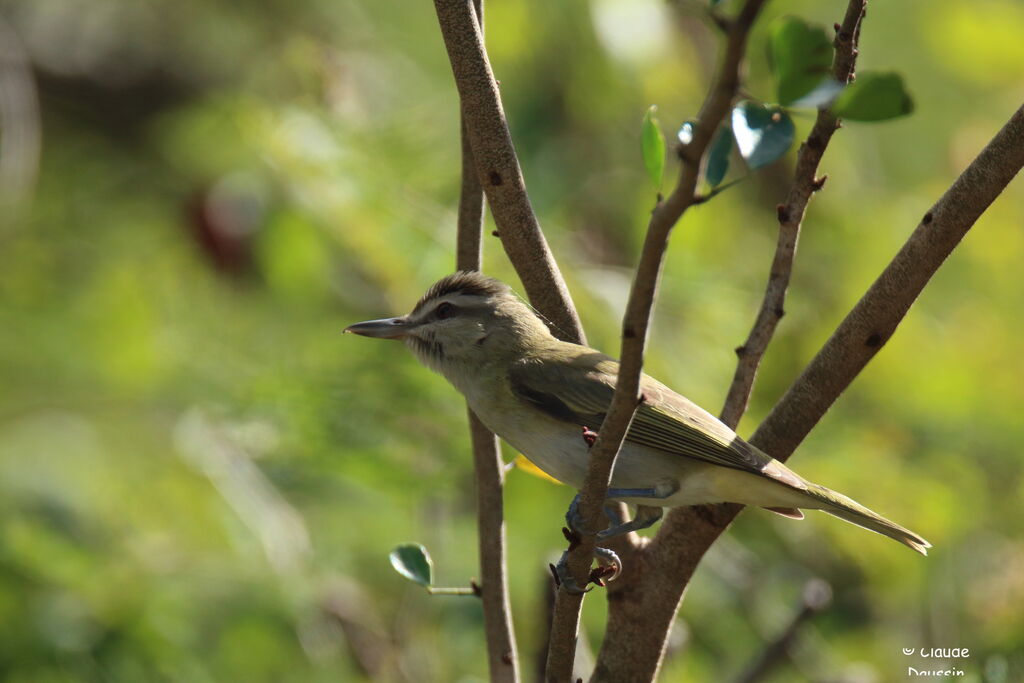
(638, 625)
(634, 335)
(790, 216)
(499, 171)
(817, 595)
(502, 658)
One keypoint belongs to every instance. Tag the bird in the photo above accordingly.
(546, 398)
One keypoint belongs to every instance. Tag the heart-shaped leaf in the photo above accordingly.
(652, 146)
(718, 157)
(412, 561)
(763, 133)
(874, 96)
(801, 57)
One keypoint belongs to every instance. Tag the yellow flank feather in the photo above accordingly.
(522, 463)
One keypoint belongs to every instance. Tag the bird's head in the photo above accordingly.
(464, 321)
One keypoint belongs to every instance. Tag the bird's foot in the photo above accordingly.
(608, 568)
(645, 517)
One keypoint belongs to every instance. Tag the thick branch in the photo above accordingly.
(790, 216)
(499, 171)
(632, 650)
(634, 335)
(502, 658)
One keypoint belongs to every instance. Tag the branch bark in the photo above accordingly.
(639, 620)
(499, 172)
(791, 215)
(502, 658)
(635, 324)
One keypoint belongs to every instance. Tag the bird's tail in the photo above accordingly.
(845, 508)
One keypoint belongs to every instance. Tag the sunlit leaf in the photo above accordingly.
(822, 96)
(718, 157)
(763, 132)
(801, 56)
(874, 96)
(685, 134)
(652, 145)
(412, 561)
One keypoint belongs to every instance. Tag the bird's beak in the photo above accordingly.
(385, 328)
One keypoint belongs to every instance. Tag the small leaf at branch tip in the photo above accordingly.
(718, 157)
(412, 561)
(685, 133)
(763, 132)
(652, 146)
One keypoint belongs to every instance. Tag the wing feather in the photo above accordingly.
(577, 389)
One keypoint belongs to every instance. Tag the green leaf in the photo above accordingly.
(652, 145)
(874, 96)
(412, 561)
(801, 57)
(763, 132)
(718, 157)
(822, 96)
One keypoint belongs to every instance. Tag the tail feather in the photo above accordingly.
(840, 506)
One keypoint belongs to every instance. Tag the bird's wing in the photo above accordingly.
(579, 390)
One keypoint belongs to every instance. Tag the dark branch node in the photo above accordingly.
(783, 213)
(819, 183)
(495, 178)
(779, 312)
(495, 233)
(927, 218)
(814, 142)
(572, 537)
(873, 341)
(741, 351)
(629, 332)
(507, 658)
(477, 590)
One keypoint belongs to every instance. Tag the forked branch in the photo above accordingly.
(634, 643)
(634, 335)
(790, 216)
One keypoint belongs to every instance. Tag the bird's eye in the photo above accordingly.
(444, 311)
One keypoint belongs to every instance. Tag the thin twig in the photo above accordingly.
(790, 215)
(634, 335)
(816, 596)
(499, 171)
(503, 660)
(637, 627)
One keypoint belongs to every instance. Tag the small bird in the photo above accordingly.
(547, 397)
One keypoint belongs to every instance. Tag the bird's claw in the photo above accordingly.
(564, 578)
(608, 568)
(574, 518)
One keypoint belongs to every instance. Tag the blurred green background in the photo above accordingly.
(201, 478)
